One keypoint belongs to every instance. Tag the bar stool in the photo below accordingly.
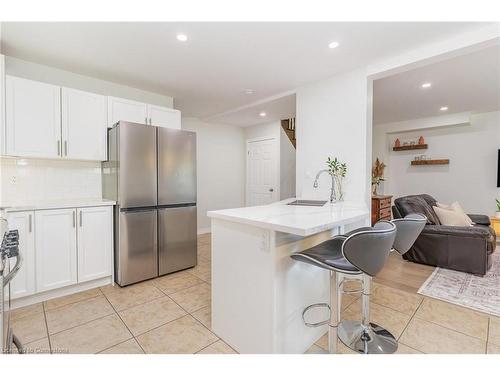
(348, 255)
(367, 337)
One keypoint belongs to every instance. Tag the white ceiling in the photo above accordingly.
(208, 73)
(468, 83)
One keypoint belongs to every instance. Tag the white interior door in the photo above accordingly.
(262, 172)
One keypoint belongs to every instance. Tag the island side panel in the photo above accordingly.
(242, 286)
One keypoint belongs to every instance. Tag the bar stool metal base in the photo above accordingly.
(368, 340)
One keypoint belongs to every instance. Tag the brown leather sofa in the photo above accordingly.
(466, 249)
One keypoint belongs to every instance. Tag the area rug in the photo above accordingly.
(475, 292)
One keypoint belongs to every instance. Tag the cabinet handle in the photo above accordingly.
(81, 219)
(74, 219)
(146, 120)
(66, 148)
(30, 223)
(150, 122)
(58, 148)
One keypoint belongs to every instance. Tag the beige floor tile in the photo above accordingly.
(218, 347)
(204, 316)
(193, 298)
(494, 332)
(204, 251)
(91, 337)
(391, 320)
(176, 281)
(184, 335)
(37, 347)
(203, 271)
(493, 348)
(315, 349)
(133, 295)
(145, 317)
(398, 300)
(404, 349)
(72, 298)
(431, 338)
(128, 347)
(21, 312)
(30, 328)
(77, 313)
(455, 317)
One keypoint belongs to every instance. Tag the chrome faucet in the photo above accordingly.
(333, 198)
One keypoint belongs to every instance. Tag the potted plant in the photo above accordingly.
(377, 175)
(497, 214)
(338, 171)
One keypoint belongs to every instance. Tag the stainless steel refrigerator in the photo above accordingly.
(151, 173)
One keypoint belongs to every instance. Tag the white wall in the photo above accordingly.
(472, 148)
(333, 122)
(42, 73)
(287, 166)
(220, 167)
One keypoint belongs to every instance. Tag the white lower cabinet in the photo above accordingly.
(95, 229)
(55, 247)
(24, 283)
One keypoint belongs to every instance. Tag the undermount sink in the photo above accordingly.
(304, 202)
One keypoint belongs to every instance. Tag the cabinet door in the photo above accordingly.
(55, 248)
(126, 110)
(33, 118)
(164, 117)
(24, 283)
(83, 125)
(95, 242)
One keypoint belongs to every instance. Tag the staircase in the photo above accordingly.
(288, 126)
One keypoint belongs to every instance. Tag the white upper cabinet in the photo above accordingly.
(33, 118)
(126, 110)
(83, 125)
(24, 283)
(164, 117)
(95, 242)
(55, 244)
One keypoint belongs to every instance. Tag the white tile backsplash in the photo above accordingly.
(32, 180)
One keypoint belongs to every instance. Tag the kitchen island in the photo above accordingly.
(258, 291)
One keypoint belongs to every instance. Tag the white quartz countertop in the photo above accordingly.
(299, 220)
(63, 203)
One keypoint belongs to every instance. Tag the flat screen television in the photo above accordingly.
(498, 172)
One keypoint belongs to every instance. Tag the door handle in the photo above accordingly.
(66, 148)
(30, 223)
(81, 218)
(58, 148)
(146, 120)
(271, 190)
(150, 122)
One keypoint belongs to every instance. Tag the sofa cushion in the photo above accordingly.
(418, 204)
(455, 206)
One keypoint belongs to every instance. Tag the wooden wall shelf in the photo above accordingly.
(411, 147)
(431, 162)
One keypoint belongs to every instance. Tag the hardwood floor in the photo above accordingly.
(403, 275)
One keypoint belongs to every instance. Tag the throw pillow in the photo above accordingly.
(455, 206)
(451, 217)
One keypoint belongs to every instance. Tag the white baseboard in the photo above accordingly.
(61, 292)
(204, 230)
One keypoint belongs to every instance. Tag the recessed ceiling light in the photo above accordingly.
(426, 85)
(249, 91)
(182, 37)
(263, 114)
(443, 108)
(333, 45)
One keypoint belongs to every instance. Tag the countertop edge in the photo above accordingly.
(58, 205)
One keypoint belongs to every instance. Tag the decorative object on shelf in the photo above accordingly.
(338, 171)
(497, 213)
(397, 143)
(377, 175)
(421, 140)
(426, 161)
(381, 207)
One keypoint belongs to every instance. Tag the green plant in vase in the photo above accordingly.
(338, 171)
(497, 214)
